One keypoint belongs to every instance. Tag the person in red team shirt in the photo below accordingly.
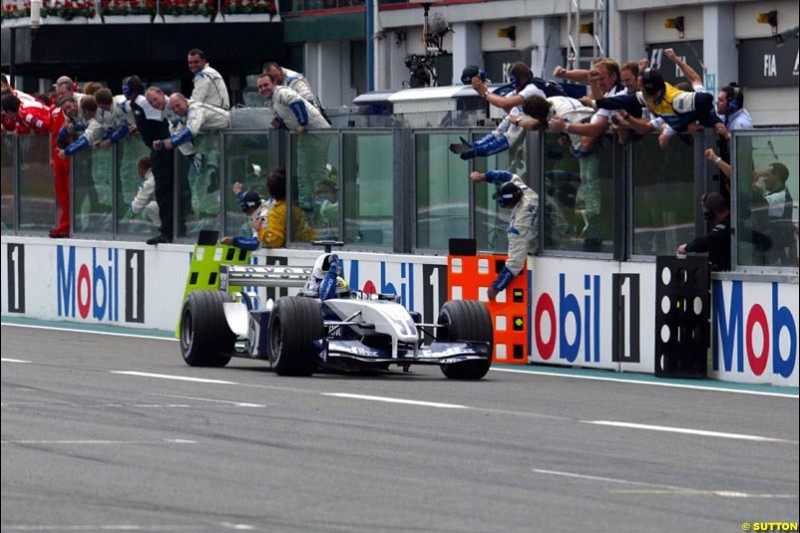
(27, 116)
(61, 168)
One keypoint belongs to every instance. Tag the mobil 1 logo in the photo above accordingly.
(434, 291)
(625, 318)
(16, 278)
(134, 286)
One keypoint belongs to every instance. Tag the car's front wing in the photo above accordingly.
(437, 353)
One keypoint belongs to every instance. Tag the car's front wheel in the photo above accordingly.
(294, 324)
(466, 321)
(206, 339)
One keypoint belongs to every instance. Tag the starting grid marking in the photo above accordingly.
(98, 441)
(8, 360)
(128, 527)
(686, 431)
(177, 378)
(394, 400)
(656, 488)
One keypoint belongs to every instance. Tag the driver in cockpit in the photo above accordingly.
(325, 282)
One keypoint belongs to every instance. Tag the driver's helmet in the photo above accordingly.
(321, 266)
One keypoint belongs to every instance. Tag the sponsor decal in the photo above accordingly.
(88, 288)
(749, 332)
(568, 310)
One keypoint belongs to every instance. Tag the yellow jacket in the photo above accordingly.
(273, 235)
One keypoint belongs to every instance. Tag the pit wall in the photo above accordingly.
(573, 309)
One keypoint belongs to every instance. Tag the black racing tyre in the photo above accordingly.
(466, 321)
(206, 339)
(294, 324)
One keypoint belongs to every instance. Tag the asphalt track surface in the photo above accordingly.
(113, 433)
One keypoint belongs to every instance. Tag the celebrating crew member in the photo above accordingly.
(512, 193)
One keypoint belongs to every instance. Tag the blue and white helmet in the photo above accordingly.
(322, 265)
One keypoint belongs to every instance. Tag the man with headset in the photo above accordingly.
(717, 243)
(730, 107)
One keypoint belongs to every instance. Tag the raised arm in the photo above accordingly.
(690, 74)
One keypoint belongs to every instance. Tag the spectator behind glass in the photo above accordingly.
(326, 208)
(273, 233)
(771, 210)
(144, 200)
(717, 243)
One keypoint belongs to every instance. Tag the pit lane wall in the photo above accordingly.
(573, 311)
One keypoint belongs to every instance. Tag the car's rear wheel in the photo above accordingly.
(466, 321)
(206, 339)
(294, 324)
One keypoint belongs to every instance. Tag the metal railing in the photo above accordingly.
(400, 190)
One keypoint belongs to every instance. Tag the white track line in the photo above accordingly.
(493, 369)
(7, 360)
(394, 400)
(660, 489)
(652, 383)
(228, 402)
(103, 527)
(685, 431)
(97, 441)
(176, 378)
(76, 330)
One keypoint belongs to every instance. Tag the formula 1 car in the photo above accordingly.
(355, 331)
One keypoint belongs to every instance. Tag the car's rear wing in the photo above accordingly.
(263, 276)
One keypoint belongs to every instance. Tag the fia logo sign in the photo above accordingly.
(771, 66)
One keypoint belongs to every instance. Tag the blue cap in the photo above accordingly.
(249, 200)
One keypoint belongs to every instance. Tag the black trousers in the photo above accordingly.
(163, 171)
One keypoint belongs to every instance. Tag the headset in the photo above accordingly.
(471, 72)
(735, 98)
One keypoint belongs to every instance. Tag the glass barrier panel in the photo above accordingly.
(442, 190)
(578, 195)
(198, 173)
(368, 189)
(37, 210)
(663, 195)
(137, 209)
(7, 183)
(91, 173)
(767, 180)
(246, 163)
(315, 186)
(491, 220)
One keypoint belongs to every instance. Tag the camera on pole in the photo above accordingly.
(422, 67)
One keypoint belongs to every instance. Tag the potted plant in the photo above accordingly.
(61, 11)
(249, 10)
(187, 10)
(128, 11)
(16, 14)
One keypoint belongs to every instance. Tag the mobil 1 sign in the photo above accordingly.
(762, 63)
(15, 277)
(100, 284)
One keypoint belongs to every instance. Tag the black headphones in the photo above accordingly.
(734, 99)
(470, 72)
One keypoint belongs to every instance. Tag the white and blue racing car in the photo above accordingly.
(327, 326)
